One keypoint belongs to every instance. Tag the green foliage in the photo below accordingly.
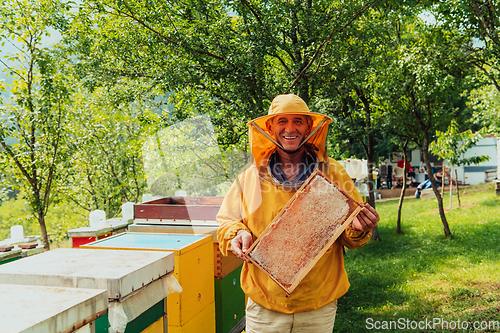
(479, 26)
(106, 168)
(421, 274)
(452, 145)
(229, 59)
(424, 83)
(60, 218)
(237, 55)
(32, 132)
(485, 102)
(17, 212)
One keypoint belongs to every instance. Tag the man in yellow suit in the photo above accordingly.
(287, 146)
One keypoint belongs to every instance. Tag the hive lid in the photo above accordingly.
(49, 309)
(179, 243)
(90, 231)
(179, 208)
(119, 272)
(103, 228)
(175, 229)
(303, 231)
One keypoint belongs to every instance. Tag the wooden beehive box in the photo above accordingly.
(179, 208)
(303, 231)
(185, 215)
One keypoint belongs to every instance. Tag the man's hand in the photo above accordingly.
(241, 243)
(366, 220)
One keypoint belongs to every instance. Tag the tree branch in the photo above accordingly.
(12, 70)
(254, 12)
(257, 17)
(53, 162)
(484, 18)
(169, 40)
(18, 164)
(490, 76)
(325, 42)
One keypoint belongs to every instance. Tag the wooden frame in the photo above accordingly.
(320, 237)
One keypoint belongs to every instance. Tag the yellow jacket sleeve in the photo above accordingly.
(230, 218)
(350, 238)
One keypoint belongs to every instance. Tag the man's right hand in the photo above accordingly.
(241, 243)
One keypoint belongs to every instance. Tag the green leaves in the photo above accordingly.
(485, 101)
(452, 145)
(128, 69)
(33, 133)
(477, 22)
(238, 54)
(106, 169)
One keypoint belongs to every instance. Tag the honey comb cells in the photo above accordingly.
(295, 239)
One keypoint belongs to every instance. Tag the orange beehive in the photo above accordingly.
(303, 230)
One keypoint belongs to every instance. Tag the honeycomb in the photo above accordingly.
(296, 237)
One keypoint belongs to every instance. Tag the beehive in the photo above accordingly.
(193, 270)
(303, 230)
(196, 215)
(134, 280)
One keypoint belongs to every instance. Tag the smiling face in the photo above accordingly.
(290, 129)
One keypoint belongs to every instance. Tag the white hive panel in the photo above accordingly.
(119, 272)
(32, 309)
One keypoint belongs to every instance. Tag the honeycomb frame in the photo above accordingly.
(282, 218)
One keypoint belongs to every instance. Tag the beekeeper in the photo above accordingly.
(287, 146)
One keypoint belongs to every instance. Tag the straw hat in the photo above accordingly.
(263, 142)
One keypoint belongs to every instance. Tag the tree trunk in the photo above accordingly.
(458, 191)
(371, 196)
(39, 212)
(425, 153)
(369, 149)
(43, 228)
(40, 216)
(403, 190)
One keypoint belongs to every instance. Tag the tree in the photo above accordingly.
(479, 25)
(452, 146)
(32, 132)
(348, 91)
(238, 55)
(106, 168)
(429, 75)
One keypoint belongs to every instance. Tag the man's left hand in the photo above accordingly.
(366, 220)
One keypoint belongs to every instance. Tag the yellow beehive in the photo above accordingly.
(155, 327)
(194, 270)
(202, 322)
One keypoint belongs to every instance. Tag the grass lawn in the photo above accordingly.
(421, 278)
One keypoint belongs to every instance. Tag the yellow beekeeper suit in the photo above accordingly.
(256, 197)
